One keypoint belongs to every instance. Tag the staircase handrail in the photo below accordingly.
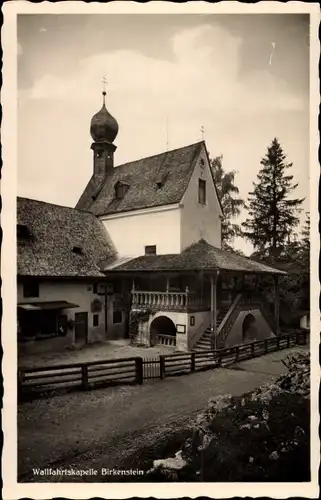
(199, 332)
(229, 312)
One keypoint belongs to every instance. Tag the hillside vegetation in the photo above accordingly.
(261, 436)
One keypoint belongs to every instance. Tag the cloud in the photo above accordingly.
(43, 30)
(205, 71)
(204, 83)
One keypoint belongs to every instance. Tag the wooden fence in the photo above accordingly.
(85, 376)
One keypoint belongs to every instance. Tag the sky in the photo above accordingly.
(168, 76)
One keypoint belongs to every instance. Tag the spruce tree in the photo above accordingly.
(272, 215)
(305, 240)
(228, 194)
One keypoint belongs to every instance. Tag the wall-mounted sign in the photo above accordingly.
(109, 288)
(181, 328)
(103, 288)
(96, 306)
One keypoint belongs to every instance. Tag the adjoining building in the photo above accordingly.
(147, 236)
(61, 300)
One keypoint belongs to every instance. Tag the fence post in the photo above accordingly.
(193, 362)
(252, 349)
(278, 342)
(266, 346)
(288, 341)
(237, 350)
(162, 366)
(139, 370)
(84, 377)
(305, 337)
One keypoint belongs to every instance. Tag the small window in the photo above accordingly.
(192, 320)
(117, 317)
(95, 320)
(201, 191)
(77, 250)
(31, 289)
(202, 163)
(150, 250)
(95, 288)
(23, 231)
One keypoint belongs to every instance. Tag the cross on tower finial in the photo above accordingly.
(202, 130)
(104, 80)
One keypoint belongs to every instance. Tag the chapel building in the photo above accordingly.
(139, 257)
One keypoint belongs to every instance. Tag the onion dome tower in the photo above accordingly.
(103, 130)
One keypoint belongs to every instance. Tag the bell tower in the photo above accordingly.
(103, 130)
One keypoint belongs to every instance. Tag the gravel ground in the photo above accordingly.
(101, 428)
(94, 352)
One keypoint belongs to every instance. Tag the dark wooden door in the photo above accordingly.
(81, 328)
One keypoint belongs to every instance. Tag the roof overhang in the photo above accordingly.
(47, 306)
(209, 271)
(138, 211)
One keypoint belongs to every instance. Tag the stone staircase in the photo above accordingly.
(205, 343)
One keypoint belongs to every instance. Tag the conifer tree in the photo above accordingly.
(305, 241)
(272, 215)
(228, 194)
(306, 233)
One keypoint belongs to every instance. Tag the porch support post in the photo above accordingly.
(276, 304)
(106, 307)
(214, 309)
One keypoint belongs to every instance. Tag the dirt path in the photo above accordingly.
(100, 428)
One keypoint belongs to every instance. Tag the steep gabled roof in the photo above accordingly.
(200, 256)
(59, 241)
(175, 167)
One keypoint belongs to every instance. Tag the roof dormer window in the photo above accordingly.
(161, 178)
(120, 190)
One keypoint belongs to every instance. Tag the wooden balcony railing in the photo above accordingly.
(169, 300)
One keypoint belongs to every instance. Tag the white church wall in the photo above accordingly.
(200, 221)
(130, 232)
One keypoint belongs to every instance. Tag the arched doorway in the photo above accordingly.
(161, 325)
(249, 330)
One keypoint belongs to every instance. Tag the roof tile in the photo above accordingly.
(55, 231)
(197, 257)
(173, 167)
